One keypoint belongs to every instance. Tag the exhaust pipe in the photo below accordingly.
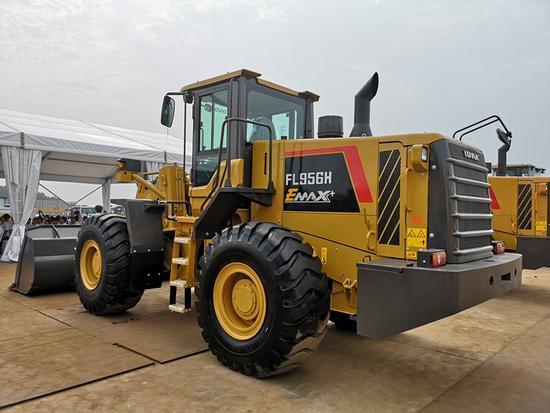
(361, 117)
(506, 139)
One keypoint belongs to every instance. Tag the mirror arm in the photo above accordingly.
(187, 98)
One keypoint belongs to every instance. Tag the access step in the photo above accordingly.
(180, 261)
(175, 286)
(178, 308)
(182, 240)
(178, 283)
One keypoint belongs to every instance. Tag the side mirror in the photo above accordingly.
(504, 137)
(167, 112)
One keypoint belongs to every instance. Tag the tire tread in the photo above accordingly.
(115, 295)
(303, 290)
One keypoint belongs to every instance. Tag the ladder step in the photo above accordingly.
(182, 240)
(180, 261)
(186, 220)
(178, 283)
(178, 308)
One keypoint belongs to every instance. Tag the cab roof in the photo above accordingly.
(250, 74)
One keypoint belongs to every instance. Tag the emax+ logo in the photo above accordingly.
(293, 196)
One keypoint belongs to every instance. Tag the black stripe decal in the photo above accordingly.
(524, 206)
(389, 194)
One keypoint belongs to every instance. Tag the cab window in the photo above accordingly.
(285, 114)
(213, 111)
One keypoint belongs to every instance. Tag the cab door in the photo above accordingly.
(211, 109)
(525, 208)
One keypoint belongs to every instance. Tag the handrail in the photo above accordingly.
(166, 215)
(495, 118)
(227, 168)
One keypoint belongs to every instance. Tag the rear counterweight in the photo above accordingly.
(393, 296)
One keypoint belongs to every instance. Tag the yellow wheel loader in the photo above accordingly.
(519, 204)
(276, 231)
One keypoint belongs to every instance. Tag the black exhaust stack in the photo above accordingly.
(361, 121)
(506, 139)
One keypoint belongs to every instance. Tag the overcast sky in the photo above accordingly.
(442, 64)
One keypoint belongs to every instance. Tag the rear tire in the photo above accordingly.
(297, 298)
(109, 292)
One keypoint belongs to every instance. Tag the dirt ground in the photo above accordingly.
(56, 357)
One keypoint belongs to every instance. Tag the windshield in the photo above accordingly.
(284, 113)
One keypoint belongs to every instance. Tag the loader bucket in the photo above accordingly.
(46, 262)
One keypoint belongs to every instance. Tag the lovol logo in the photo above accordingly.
(471, 155)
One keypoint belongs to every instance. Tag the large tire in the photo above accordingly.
(297, 296)
(110, 292)
(168, 249)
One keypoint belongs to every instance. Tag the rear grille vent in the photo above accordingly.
(525, 202)
(389, 194)
(470, 203)
(459, 207)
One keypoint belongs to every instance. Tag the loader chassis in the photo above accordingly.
(277, 231)
(520, 206)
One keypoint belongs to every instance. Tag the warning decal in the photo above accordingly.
(541, 226)
(324, 255)
(411, 255)
(416, 238)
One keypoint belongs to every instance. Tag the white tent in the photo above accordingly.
(35, 148)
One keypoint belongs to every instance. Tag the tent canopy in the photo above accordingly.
(77, 151)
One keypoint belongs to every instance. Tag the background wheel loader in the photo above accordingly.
(277, 231)
(519, 203)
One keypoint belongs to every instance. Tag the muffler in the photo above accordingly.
(46, 261)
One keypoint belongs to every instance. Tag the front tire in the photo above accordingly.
(263, 301)
(102, 266)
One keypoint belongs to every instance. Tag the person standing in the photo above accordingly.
(76, 218)
(7, 225)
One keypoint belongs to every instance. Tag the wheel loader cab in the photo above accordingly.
(242, 94)
(521, 207)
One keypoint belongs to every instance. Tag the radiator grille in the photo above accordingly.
(469, 193)
(525, 202)
(389, 193)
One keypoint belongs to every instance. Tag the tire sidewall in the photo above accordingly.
(221, 256)
(89, 232)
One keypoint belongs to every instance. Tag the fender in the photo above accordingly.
(144, 222)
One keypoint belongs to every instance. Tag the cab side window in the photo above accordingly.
(285, 117)
(213, 111)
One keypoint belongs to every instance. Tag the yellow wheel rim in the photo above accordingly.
(91, 264)
(239, 301)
